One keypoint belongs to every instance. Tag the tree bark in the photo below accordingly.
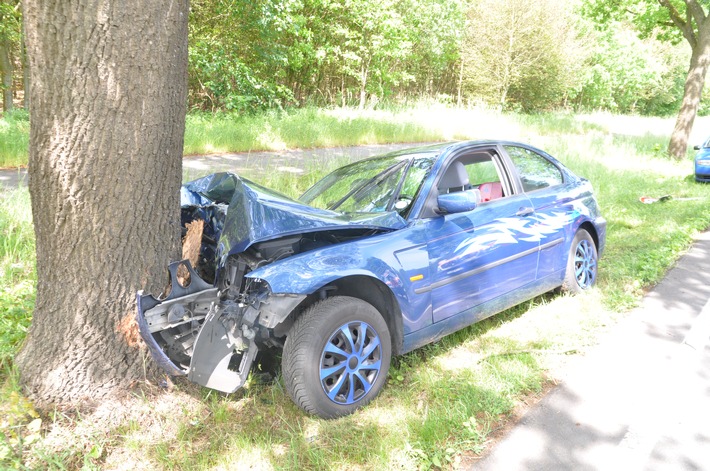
(694, 82)
(108, 90)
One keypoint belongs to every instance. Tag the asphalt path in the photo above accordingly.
(640, 400)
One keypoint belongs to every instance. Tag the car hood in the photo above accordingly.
(256, 213)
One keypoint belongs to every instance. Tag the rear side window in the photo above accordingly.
(536, 172)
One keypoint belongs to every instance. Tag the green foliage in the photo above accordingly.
(268, 53)
(629, 75)
(649, 17)
(10, 22)
(235, 59)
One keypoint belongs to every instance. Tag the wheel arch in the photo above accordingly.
(366, 288)
(589, 227)
(378, 294)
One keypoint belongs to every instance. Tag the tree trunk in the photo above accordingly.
(6, 70)
(25, 69)
(363, 88)
(108, 90)
(694, 82)
(460, 84)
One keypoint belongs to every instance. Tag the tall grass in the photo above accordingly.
(14, 138)
(300, 128)
(17, 272)
(442, 401)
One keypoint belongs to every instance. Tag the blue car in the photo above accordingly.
(702, 162)
(378, 258)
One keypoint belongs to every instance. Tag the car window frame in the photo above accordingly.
(516, 174)
(508, 180)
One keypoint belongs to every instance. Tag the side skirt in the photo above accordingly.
(436, 331)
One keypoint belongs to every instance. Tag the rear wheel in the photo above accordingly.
(336, 357)
(581, 271)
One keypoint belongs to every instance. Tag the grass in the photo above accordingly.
(442, 402)
(14, 138)
(301, 128)
(17, 274)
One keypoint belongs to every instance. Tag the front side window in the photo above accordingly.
(536, 172)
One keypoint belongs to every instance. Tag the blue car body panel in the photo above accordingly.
(702, 162)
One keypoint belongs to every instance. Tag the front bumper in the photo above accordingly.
(192, 332)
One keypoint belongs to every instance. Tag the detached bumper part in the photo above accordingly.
(222, 360)
(191, 332)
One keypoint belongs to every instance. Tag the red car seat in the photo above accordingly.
(490, 191)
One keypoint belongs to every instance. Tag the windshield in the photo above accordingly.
(373, 185)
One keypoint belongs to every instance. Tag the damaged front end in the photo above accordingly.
(195, 333)
(211, 327)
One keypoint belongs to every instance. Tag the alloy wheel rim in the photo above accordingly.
(350, 362)
(585, 264)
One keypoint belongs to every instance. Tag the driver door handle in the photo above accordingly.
(527, 211)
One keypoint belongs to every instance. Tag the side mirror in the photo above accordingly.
(459, 202)
(696, 147)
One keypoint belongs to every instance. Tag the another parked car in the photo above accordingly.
(702, 162)
(378, 258)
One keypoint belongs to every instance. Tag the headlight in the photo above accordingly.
(703, 162)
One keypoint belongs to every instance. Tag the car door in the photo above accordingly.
(478, 255)
(544, 183)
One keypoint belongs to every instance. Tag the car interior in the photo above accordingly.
(474, 171)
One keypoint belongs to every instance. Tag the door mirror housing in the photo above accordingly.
(459, 202)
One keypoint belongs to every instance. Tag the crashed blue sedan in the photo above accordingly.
(378, 258)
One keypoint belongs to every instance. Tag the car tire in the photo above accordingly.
(336, 357)
(581, 272)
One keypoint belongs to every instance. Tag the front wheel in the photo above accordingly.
(336, 357)
(581, 273)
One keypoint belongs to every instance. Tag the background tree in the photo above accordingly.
(108, 86)
(626, 74)
(279, 53)
(520, 53)
(669, 20)
(10, 20)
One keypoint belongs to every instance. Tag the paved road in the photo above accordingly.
(290, 161)
(638, 401)
(13, 178)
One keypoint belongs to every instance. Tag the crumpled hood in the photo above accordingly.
(256, 213)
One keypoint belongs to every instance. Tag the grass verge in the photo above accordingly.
(14, 138)
(442, 402)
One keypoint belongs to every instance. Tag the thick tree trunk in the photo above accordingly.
(6, 70)
(108, 91)
(694, 82)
